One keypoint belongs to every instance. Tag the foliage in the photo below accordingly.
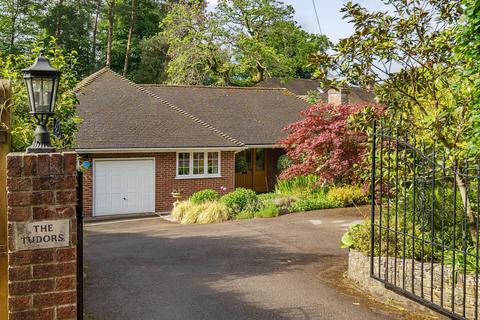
(245, 215)
(239, 42)
(297, 185)
(267, 212)
(313, 202)
(283, 162)
(418, 225)
(152, 62)
(81, 26)
(213, 212)
(23, 124)
(195, 56)
(408, 52)
(204, 196)
(347, 196)
(323, 143)
(188, 212)
(461, 261)
(181, 209)
(347, 240)
(240, 199)
(468, 51)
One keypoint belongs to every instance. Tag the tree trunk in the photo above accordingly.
(58, 23)
(468, 206)
(13, 27)
(111, 16)
(130, 35)
(94, 35)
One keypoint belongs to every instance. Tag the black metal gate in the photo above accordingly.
(424, 222)
(80, 245)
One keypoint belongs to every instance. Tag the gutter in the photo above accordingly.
(152, 150)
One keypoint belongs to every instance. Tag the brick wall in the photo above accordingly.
(165, 182)
(41, 282)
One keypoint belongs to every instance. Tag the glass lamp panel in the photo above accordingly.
(54, 94)
(42, 94)
(28, 83)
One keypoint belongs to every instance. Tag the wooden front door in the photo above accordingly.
(253, 173)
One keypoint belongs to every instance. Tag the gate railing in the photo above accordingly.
(80, 275)
(424, 223)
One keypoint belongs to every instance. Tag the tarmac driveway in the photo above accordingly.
(289, 267)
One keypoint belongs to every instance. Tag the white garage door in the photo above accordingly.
(123, 186)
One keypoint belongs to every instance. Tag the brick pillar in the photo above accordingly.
(42, 235)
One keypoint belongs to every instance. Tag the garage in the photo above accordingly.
(123, 186)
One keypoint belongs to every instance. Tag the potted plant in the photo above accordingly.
(177, 194)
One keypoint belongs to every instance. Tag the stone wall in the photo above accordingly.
(411, 280)
(41, 193)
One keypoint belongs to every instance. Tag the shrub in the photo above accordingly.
(241, 200)
(312, 203)
(180, 209)
(188, 212)
(284, 201)
(212, 212)
(245, 215)
(347, 196)
(298, 185)
(267, 212)
(284, 162)
(267, 196)
(204, 196)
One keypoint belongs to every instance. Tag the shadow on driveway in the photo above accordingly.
(155, 270)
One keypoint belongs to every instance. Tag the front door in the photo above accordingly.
(251, 170)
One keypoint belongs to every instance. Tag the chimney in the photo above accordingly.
(337, 96)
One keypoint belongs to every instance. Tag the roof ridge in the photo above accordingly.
(207, 87)
(177, 109)
(296, 96)
(86, 81)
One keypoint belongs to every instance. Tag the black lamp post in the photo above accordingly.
(41, 80)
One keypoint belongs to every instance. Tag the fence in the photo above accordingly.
(424, 223)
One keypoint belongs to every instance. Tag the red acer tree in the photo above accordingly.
(325, 144)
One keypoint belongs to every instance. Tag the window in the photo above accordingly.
(259, 159)
(198, 164)
(212, 163)
(183, 164)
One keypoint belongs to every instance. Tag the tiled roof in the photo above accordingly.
(119, 114)
(255, 116)
(300, 87)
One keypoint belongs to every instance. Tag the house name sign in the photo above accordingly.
(42, 234)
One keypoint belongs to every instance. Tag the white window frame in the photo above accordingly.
(205, 164)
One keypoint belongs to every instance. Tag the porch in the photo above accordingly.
(256, 168)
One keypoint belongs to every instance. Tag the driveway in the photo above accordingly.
(290, 267)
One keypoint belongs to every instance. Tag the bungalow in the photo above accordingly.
(145, 141)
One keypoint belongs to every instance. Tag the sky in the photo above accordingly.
(329, 14)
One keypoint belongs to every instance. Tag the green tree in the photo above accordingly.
(70, 22)
(265, 41)
(152, 63)
(23, 124)
(468, 50)
(408, 52)
(19, 23)
(195, 56)
(241, 42)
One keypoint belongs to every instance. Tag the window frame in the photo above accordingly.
(205, 173)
